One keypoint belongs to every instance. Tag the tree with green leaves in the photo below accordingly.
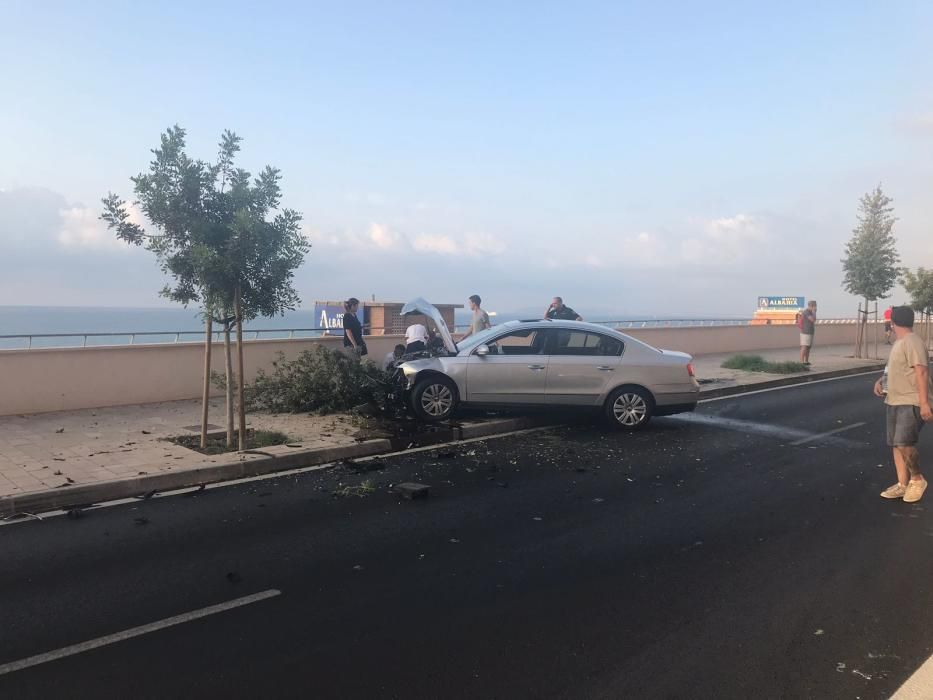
(919, 285)
(871, 261)
(221, 237)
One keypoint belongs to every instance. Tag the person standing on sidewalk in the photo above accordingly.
(352, 328)
(480, 320)
(907, 404)
(887, 325)
(807, 326)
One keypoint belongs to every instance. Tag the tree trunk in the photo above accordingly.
(865, 330)
(228, 366)
(241, 408)
(205, 398)
(858, 331)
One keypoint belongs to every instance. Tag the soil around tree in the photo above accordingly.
(217, 444)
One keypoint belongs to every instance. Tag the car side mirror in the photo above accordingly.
(482, 350)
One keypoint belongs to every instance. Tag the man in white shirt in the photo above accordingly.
(416, 337)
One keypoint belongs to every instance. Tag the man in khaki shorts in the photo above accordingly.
(907, 399)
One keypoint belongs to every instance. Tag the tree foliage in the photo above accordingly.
(919, 285)
(216, 229)
(871, 261)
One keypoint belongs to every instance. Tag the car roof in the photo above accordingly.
(558, 323)
(570, 325)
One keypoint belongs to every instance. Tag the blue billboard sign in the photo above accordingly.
(330, 317)
(781, 303)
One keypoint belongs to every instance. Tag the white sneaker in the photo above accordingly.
(896, 491)
(915, 490)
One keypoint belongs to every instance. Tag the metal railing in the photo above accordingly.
(27, 341)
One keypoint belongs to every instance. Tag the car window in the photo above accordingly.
(477, 339)
(528, 341)
(571, 342)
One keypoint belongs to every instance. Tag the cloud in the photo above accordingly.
(82, 228)
(725, 240)
(384, 237)
(483, 244)
(443, 245)
(380, 238)
(643, 249)
(736, 228)
(710, 242)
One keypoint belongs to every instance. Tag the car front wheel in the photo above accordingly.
(629, 407)
(434, 399)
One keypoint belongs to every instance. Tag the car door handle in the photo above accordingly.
(606, 368)
(536, 367)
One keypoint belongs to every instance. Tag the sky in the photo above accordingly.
(674, 158)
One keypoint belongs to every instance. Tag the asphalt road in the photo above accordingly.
(707, 557)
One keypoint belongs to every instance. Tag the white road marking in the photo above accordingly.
(795, 435)
(14, 666)
(792, 386)
(819, 436)
(919, 686)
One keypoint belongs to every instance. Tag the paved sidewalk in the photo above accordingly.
(55, 450)
(822, 359)
(43, 452)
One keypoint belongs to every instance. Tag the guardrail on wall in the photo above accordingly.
(28, 341)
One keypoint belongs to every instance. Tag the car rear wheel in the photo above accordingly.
(629, 407)
(434, 398)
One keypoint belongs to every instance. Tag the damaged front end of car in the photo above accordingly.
(404, 371)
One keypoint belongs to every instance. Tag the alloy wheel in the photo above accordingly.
(630, 409)
(437, 400)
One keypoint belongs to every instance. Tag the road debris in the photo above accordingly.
(412, 490)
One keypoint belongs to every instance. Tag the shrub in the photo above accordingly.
(756, 363)
(319, 380)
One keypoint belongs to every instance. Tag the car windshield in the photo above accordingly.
(477, 339)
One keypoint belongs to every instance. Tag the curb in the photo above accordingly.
(788, 381)
(102, 491)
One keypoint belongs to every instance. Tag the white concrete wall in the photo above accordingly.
(60, 379)
(722, 339)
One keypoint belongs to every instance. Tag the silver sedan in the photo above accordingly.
(549, 363)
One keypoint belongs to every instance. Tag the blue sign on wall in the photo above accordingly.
(781, 303)
(330, 317)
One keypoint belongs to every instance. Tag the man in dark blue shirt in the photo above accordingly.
(558, 311)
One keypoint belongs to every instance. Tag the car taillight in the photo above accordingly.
(690, 369)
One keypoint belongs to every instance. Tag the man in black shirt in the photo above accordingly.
(558, 311)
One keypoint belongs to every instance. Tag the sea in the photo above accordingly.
(67, 326)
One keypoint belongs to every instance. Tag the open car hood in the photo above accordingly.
(420, 306)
